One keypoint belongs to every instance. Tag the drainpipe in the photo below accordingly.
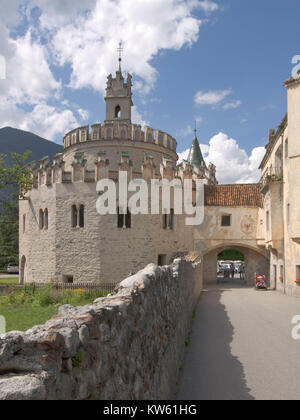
(283, 213)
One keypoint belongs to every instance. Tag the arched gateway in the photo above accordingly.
(234, 219)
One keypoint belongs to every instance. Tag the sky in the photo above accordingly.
(221, 63)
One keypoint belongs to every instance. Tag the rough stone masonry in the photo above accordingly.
(127, 346)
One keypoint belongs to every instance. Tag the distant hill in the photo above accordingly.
(18, 141)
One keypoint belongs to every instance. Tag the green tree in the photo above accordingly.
(15, 176)
(231, 255)
(15, 181)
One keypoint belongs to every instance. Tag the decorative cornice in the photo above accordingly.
(271, 144)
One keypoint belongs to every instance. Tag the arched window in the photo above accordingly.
(74, 216)
(124, 220)
(118, 112)
(41, 219)
(81, 216)
(46, 219)
(171, 219)
(128, 219)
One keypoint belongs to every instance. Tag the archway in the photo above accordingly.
(231, 266)
(255, 262)
(23, 270)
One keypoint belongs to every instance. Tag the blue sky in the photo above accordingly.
(221, 62)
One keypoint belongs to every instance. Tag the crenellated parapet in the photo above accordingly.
(119, 130)
(48, 174)
(186, 170)
(167, 169)
(44, 171)
(148, 167)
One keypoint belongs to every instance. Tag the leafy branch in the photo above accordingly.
(16, 175)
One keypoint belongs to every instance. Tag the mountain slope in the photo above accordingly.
(18, 141)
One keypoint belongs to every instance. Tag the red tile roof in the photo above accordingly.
(235, 195)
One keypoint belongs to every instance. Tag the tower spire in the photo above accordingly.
(195, 156)
(120, 51)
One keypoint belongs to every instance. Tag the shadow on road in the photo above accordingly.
(210, 370)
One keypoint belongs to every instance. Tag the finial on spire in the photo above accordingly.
(195, 128)
(120, 50)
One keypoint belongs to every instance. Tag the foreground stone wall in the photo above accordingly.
(127, 346)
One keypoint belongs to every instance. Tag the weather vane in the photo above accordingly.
(120, 50)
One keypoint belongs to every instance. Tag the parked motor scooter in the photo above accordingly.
(261, 282)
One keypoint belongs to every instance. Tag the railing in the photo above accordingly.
(272, 175)
(106, 287)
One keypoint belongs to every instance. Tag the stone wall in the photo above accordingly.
(127, 346)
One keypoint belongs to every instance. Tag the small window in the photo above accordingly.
(298, 272)
(81, 216)
(165, 221)
(268, 220)
(128, 219)
(118, 112)
(162, 260)
(120, 219)
(68, 279)
(24, 223)
(41, 219)
(168, 220)
(226, 221)
(74, 216)
(287, 148)
(46, 219)
(171, 219)
(288, 215)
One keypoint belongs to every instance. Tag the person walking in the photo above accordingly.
(232, 270)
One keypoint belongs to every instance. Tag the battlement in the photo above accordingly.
(47, 172)
(118, 130)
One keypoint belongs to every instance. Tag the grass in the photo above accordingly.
(30, 306)
(20, 318)
(10, 280)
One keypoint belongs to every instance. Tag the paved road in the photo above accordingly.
(242, 348)
(9, 276)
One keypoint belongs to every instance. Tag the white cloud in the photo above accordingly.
(84, 35)
(233, 164)
(183, 155)
(29, 78)
(233, 104)
(199, 119)
(209, 6)
(89, 42)
(212, 97)
(83, 113)
(9, 11)
(44, 120)
(137, 117)
(184, 132)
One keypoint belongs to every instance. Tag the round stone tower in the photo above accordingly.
(62, 236)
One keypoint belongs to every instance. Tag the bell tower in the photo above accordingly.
(118, 95)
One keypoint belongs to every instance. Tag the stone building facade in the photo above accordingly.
(62, 236)
(64, 239)
(281, 189)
